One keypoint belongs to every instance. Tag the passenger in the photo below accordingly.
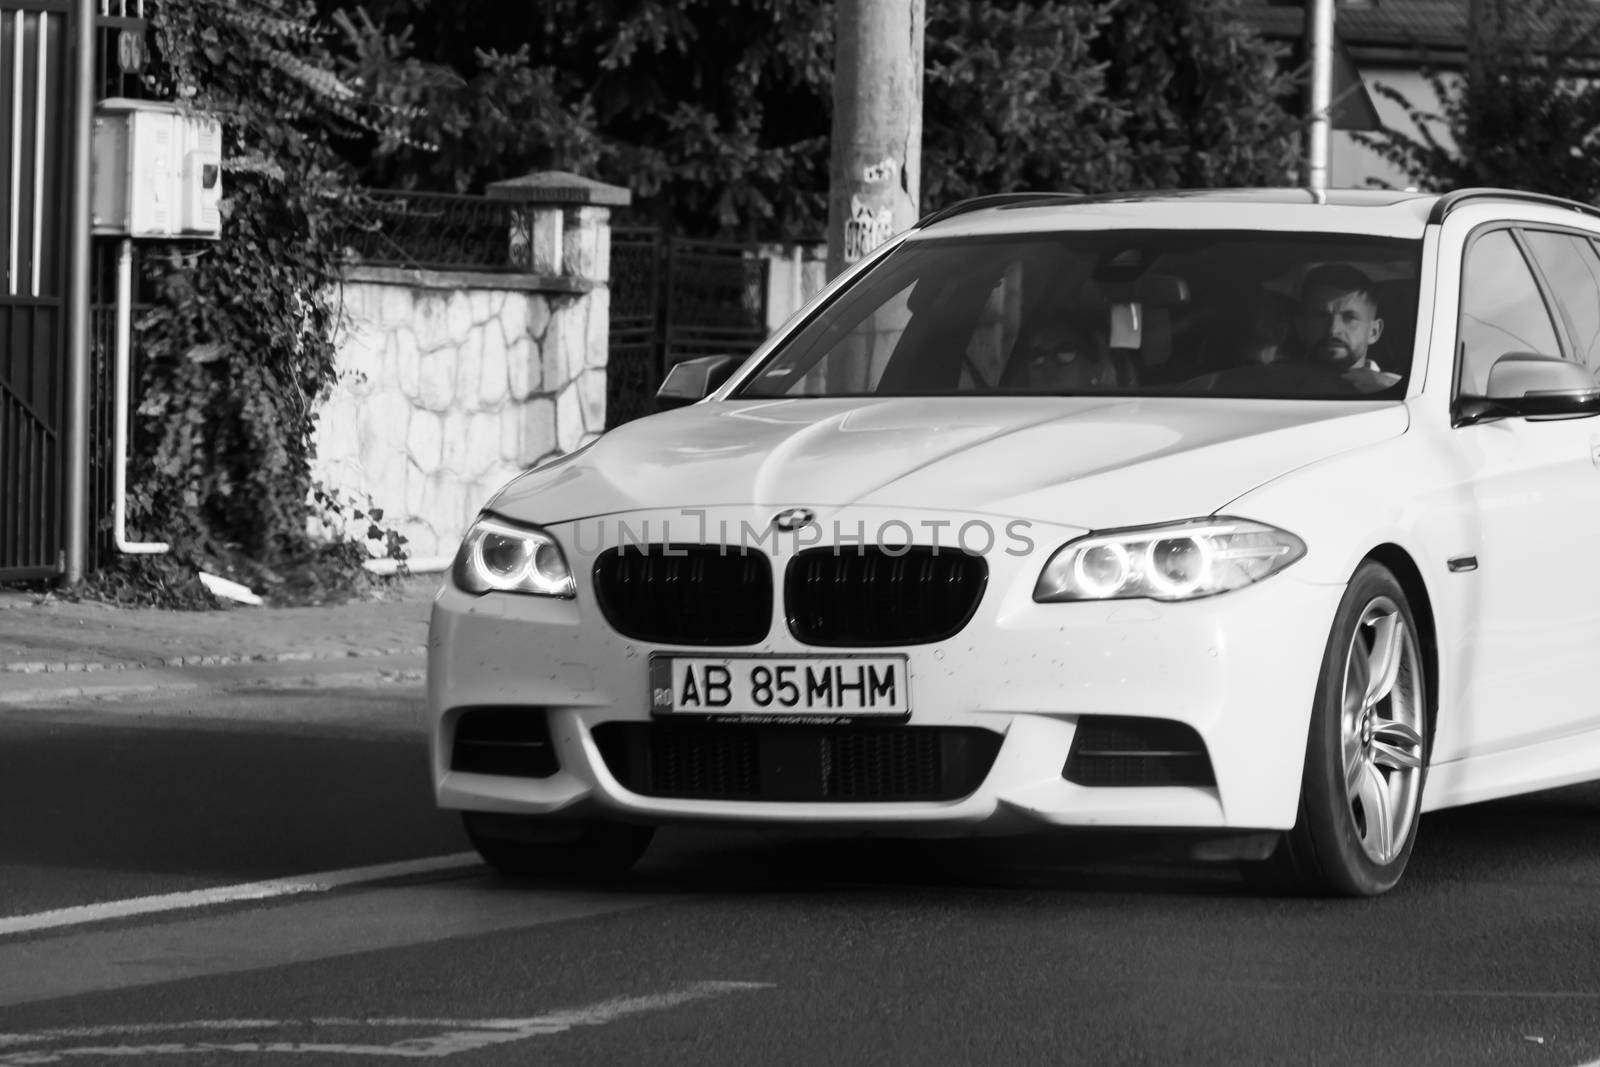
(1067, 353)
(1340, 321)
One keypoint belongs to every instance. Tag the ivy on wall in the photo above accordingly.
(239, 345)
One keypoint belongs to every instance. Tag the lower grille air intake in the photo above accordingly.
(1109, 750)
(797, 763)
(513, 742)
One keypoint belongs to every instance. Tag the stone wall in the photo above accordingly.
(451, 385)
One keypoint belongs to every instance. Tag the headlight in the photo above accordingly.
(496, 555)
(1180, 561)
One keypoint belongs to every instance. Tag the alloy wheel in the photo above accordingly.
(1381, 726)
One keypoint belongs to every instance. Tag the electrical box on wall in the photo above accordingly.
(157, 170)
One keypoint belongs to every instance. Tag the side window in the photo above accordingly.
(1572, 268)
(1501, 309)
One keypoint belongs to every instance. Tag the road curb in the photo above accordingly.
(204, 660)
(35, 688)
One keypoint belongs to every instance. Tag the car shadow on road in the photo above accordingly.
(758, 862)
(229, 802)
(1542, 838)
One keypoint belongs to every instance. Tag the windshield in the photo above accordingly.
(1119, 312)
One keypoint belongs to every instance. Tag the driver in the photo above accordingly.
(1340, 321)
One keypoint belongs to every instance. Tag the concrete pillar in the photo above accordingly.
(562, 224)
(561, 229)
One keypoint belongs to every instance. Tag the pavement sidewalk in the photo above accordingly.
(54, 650)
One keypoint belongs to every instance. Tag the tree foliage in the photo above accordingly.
(716, 113)
(1207, 101)
(713, 112)
(1014, 98)
(1097, 97)
(1525, 114)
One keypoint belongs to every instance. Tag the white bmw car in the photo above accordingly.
(1259, 514)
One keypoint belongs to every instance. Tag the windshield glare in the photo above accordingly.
(1118, 312)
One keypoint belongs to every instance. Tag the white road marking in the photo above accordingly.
(454, 1036)
(83, 914)
(323, 926)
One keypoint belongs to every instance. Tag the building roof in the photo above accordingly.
(1435, 29)
(1431, 24)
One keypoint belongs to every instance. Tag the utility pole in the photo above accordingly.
(875, 171)
(1477, 33)
(1319, 39)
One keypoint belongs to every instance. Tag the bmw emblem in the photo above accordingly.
(793, 519)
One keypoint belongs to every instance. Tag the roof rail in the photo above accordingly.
(1458, 197)
(978, 203)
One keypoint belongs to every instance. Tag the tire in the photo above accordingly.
(1366, 757)
(556, 850)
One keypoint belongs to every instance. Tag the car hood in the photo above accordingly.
(1095, 462)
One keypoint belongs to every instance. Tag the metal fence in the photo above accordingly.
(35, 139)
(633, 359)
(122, 50)
(37, 65)
(432, 231)
(716, 299)
(673, 299)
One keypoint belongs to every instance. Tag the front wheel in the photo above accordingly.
(1366, 754)
(556, 850)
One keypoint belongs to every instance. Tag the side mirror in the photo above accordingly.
(695, 379)
(1532, 386)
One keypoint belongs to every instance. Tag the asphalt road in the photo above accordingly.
(722, 948)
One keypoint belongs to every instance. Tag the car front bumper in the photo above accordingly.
(1239, 668)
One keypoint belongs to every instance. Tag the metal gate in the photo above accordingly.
(633, 356)
(673, 299)
(34, 154)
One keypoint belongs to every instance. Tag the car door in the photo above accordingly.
(1536, 486)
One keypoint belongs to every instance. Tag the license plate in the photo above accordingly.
(799, 686)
